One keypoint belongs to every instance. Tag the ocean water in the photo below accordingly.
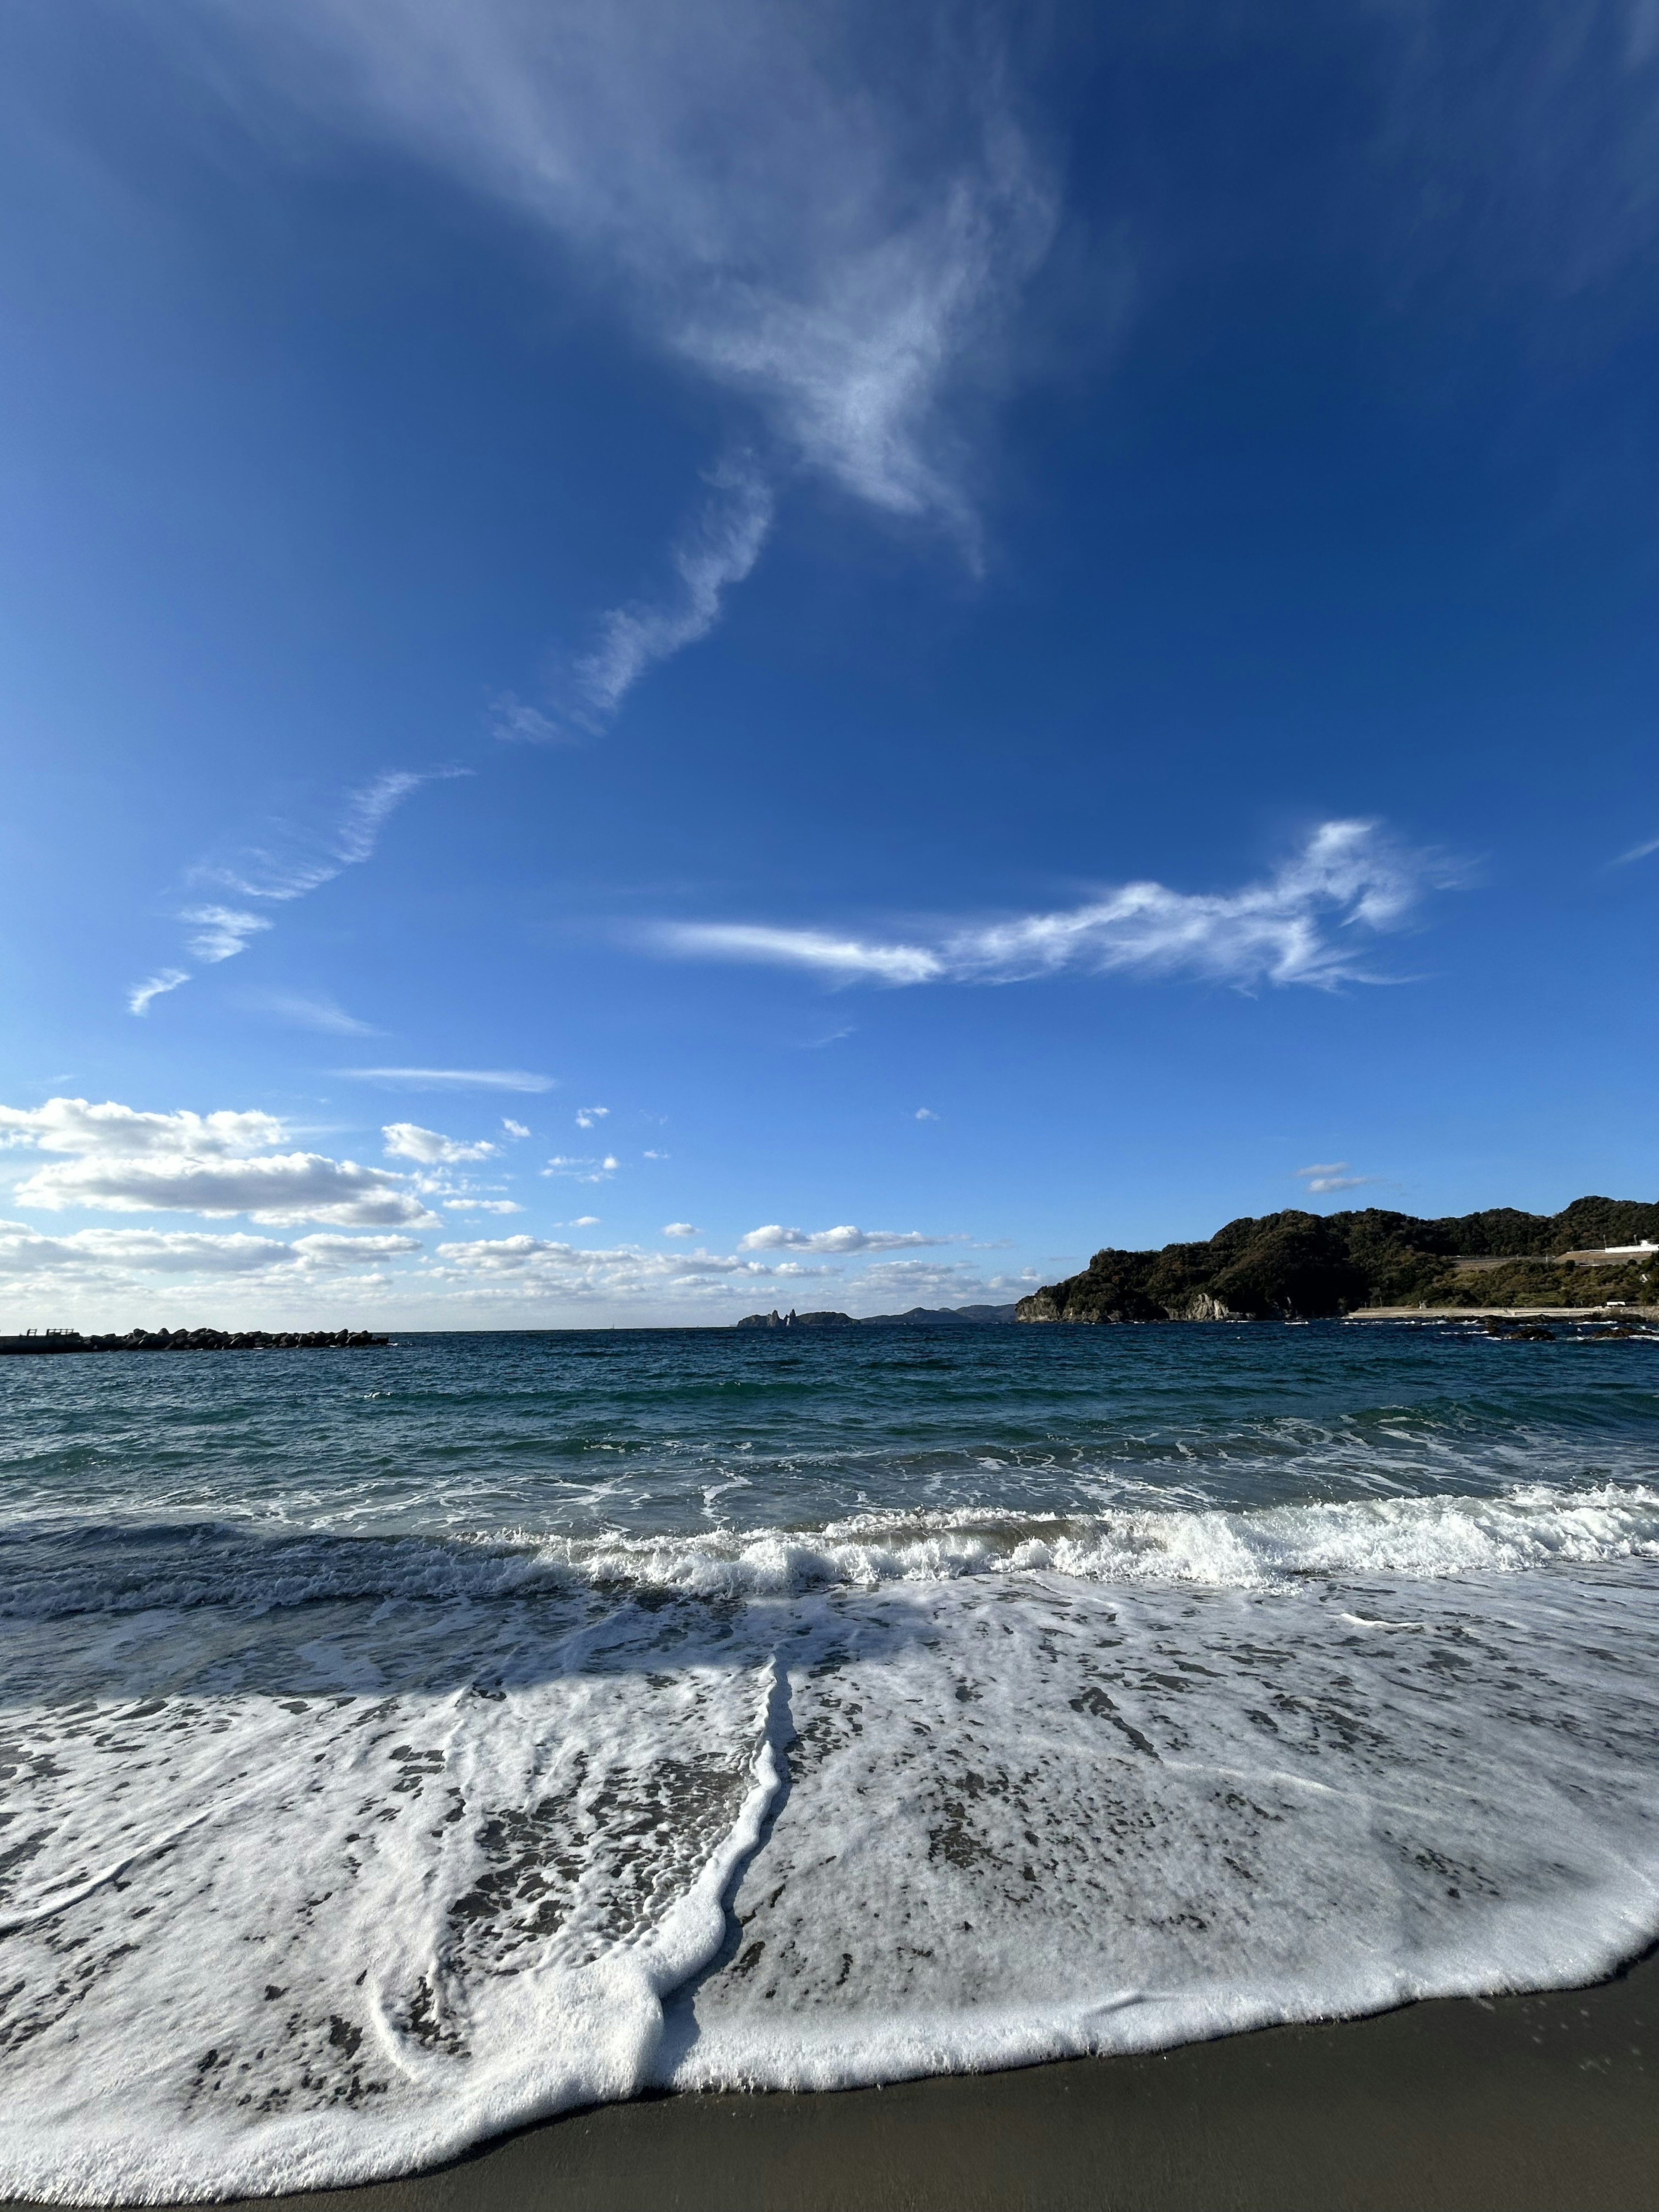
(399, 1746)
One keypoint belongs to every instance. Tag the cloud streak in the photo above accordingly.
(453, 1079)
(295, 863)
(1312, 922)
(720, 553)
(828, 216)
(157, 986)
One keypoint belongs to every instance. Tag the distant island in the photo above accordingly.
(916, 1317)
(1303, 1267)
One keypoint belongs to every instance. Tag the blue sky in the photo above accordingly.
(663, 660)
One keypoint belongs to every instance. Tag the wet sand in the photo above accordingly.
(1509, 2103)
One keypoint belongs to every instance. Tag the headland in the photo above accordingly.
(1598, 1253)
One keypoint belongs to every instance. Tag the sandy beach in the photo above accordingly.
(1454, 2105)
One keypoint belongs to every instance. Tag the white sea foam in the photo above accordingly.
(1264, 1548)
(417, 1841)
(248, 1565)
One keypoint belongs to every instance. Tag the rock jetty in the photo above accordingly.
(194, 1339)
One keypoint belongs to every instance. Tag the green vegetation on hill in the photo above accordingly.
(1302, 1266)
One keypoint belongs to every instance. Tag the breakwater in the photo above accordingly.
(194, 1339)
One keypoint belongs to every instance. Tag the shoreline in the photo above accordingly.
(1503, 1312)
(1449, 2104)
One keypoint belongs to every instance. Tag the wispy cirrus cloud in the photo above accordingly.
(1314, 921)
(308, 1010)
(1325, 1175)
(154, 986)
(221, 931)
(295, 860)
(829, 217)
(298, 858)
(454, 1079)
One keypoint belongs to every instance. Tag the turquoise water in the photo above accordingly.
(547, 1716)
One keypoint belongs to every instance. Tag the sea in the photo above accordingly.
(402, 1745)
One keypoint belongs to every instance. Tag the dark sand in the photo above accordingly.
(1511, 2102)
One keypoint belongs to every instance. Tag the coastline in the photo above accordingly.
(1452, 2104)
(1503, 1312)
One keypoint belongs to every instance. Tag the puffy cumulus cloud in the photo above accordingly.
(408, 1140)
(73, 1125)
(589, 1117)
(893, 1285)
(680, 1228)
(121, 1160)
(776, 1238)
(482, 1206)
(531, 1267)
(1314, 921)
(112, 1253)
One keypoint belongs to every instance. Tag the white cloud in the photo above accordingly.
(451, 1078)
(309, 1011)
(116, 1252)
(539, 1267)
(720, 552)
(296, 862)
(1309, 923)
(165, 980)
(482, 1206)
(829, 223)
(680, 1228)
(649, 1155)
(588, 1116)
(829, 218)
(299, 859)
(1333, 1175)
(407, 1140)
(123, 1161)
(324, 1251)
(516, 723)
(514, 1129)
(776, 1238)
(222, 932)
(891, 1285)
(1636, 852)
(582, 1169)
(846, 959)
(926, 1113)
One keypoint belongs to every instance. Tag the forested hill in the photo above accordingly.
(1296, 1265)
